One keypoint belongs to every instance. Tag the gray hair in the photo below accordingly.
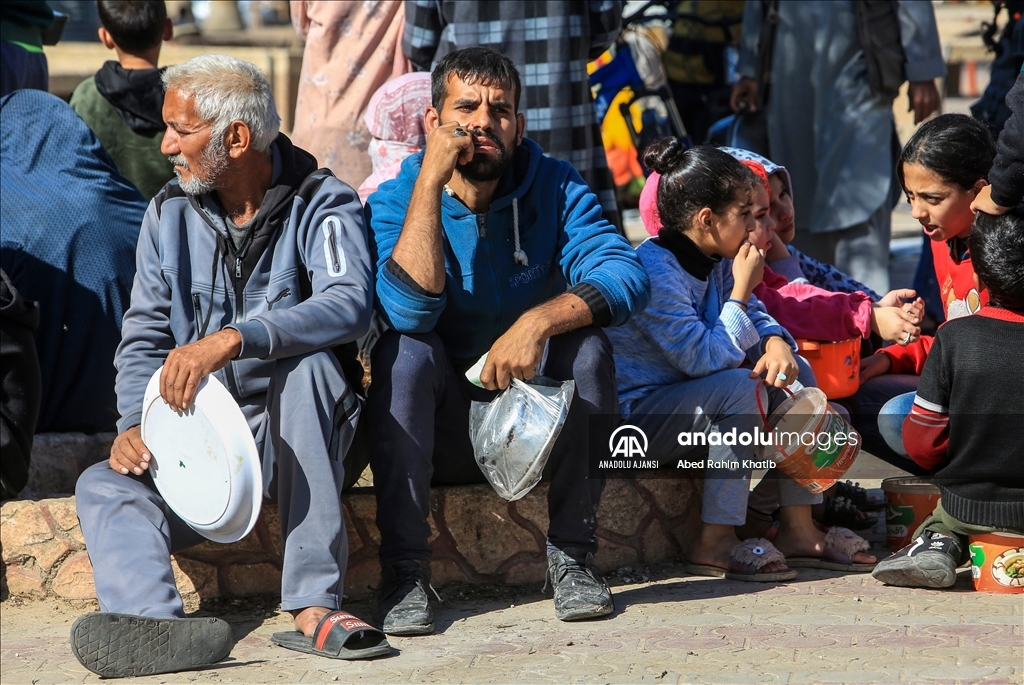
(227, 89)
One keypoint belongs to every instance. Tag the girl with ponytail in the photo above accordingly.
(680, 363)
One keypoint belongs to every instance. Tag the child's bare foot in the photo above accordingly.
(757, 525)
(715, 549)
(799, 537)
(306, 620)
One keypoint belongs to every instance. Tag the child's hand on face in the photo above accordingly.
(747, 271)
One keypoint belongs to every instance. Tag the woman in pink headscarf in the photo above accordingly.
(394, 118)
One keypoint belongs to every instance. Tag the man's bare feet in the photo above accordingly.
(306, 620)
(715, 549)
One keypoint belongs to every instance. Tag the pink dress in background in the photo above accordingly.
(394, 118)
(351, 51)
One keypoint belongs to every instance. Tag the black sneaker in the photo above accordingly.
(401, 603)
(580, 591)
(928, 561)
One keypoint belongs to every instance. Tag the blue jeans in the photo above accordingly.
(890, 421)
(721, 401)
(417, 416)
(866, 407)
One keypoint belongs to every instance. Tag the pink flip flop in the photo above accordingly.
(747, 558)
(840, 546)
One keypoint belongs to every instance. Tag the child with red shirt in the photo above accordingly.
(967, 420)
(942, 169)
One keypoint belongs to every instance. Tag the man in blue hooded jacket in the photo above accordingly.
(485, 245)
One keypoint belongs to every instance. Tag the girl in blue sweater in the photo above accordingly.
(680, 364)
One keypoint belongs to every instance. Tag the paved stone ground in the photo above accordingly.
(668, 628)
(824, 628)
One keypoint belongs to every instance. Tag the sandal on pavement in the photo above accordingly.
(840, 511)
(123, 645)
(841, 544)
(706, 570)
(339, 635)
(753, 554)
(747, 557)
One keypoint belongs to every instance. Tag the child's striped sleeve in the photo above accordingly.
(926, 433)
(926, 428)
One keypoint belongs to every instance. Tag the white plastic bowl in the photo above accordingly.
(205, 463)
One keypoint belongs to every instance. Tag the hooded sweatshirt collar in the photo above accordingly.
(295, 166)
(136, 94)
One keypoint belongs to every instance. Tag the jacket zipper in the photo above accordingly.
(199, 310)
(481, 222)
(334, 247)
(232, 382)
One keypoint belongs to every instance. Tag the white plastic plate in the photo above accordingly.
(205, 463)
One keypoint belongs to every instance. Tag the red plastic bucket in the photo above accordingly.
(908, 502)
(997, 562)
(836, 365)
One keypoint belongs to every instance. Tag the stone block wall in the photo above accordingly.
(476, 537)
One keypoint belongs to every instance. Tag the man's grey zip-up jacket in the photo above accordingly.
(299, 282)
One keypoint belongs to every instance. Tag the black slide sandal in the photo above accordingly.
(339, 635)
(123, 645)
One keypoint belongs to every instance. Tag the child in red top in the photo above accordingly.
(942, 169)
(965, 423)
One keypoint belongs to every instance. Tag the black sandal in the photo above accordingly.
(839, 511)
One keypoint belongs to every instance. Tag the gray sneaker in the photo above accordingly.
(580, 591)
(402, 606)
(929, 561)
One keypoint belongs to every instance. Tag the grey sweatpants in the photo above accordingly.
(719, 402)
(303, 427)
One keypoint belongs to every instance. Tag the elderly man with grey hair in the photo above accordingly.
(253, 267)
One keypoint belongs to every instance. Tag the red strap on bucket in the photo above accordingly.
(760, 405)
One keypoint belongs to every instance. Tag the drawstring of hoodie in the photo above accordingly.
(519, 254)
